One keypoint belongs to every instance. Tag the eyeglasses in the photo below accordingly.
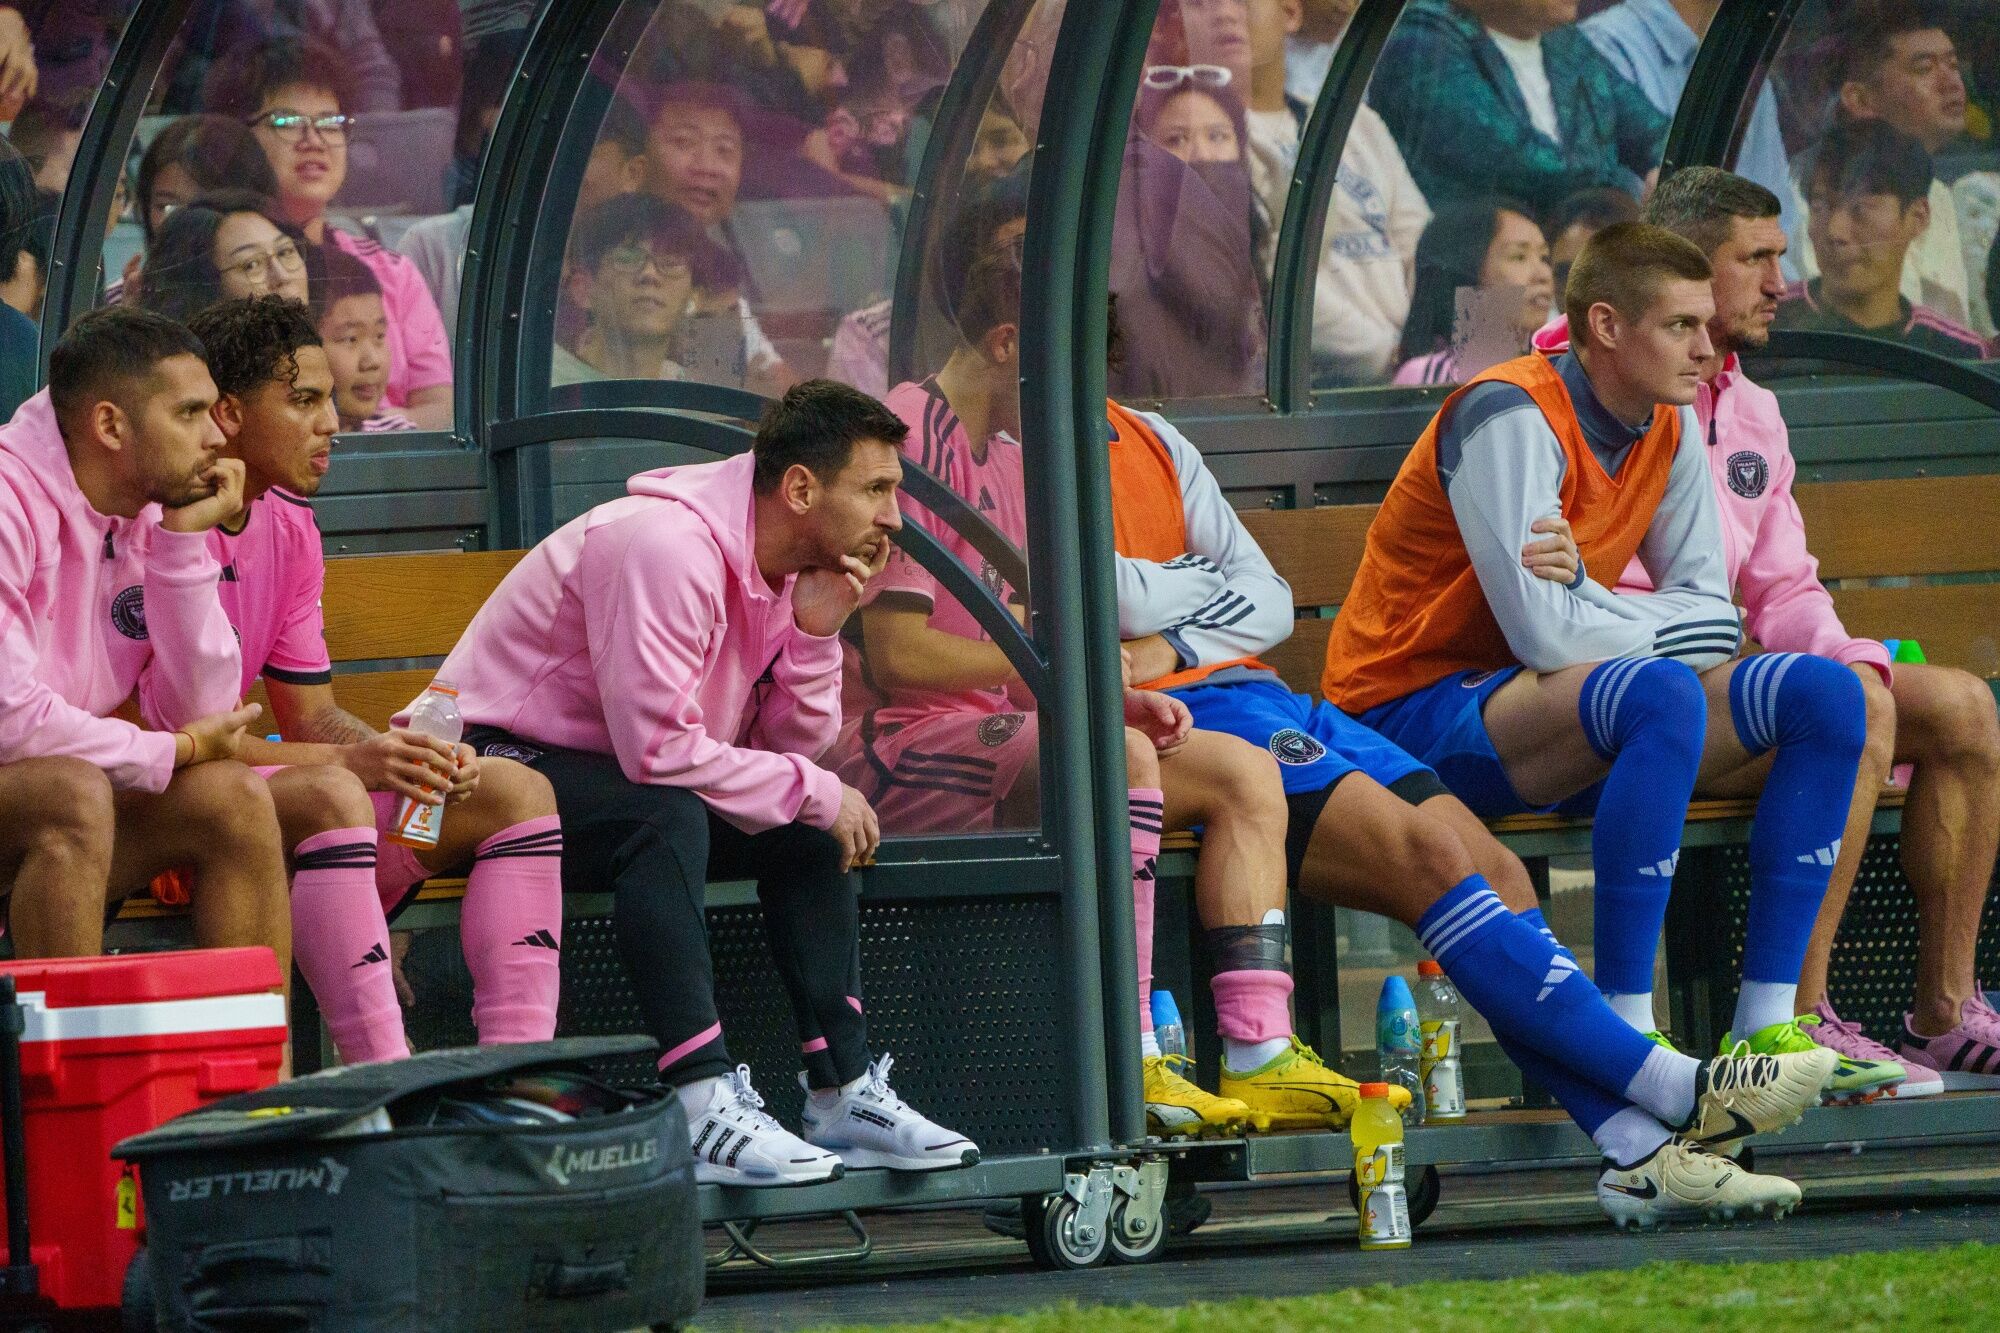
(291, 126)
(1166, 78)
(281, 259)
(631, 260)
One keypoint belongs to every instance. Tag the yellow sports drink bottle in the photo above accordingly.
(417, 823)
(1377, 1132)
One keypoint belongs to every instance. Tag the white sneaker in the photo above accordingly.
(1740, 1094)
(1684, 1180)
(735, 1143)
(872, 1126)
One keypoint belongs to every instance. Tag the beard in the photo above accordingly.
(174, 492)
(1748, 334)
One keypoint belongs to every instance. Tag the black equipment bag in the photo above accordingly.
(273, 1211)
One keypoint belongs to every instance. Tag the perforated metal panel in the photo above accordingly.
(966, 994)
(1873, 973)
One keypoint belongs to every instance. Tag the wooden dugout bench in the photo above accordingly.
(1914, 558)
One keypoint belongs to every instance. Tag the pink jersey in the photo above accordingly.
(993, 486)
(1785, 606)
(645, 630)
(272, 574)
(419, 351)
(92, 607)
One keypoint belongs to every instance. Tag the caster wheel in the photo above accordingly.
(1051, 1222)
(1421, 1193)
(1135, 1240)
(136, 1313)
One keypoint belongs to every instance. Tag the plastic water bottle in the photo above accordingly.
(1167, 1028)
(436, 715)
(1377, 1134)
(1439, 1010)
(1399, 1043)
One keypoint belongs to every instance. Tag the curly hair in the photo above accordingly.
(254, 340)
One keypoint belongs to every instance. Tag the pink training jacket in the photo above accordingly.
(1786, 607)
(644, 630)
(84, 602)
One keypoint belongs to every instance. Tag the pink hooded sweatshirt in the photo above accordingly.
(1786, 607)
(85, 601)
(644, 630)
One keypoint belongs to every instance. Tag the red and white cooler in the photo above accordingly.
(114, 1047)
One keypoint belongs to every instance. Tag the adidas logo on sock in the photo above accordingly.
(1662, 869)
(1560, 970)
(376, 954)
(541, 939)
(1825, 856)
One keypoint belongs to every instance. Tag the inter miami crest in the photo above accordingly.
(128, 612)
(1748, 473)
(1293, 746)
(1000, 728)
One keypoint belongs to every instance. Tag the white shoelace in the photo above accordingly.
(877, 1088)
(746, 1104)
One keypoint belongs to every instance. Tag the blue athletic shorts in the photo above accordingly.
(1315, 743)
(1443, 725)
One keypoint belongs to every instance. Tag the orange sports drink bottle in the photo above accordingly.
(1377, 1133)
(417, 824)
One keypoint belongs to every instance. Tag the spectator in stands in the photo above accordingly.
(47, 132)
(489, 73)
(20, 339)
(636, 263)
(218, 33)
(19, 75)
(193, 155)
(435, 63)
(189, 157)
(1374, 220)
(1526, 692)
(1000, 144)
(217, 247)
(1488, 95)
(335, 780)
(703, 761)
(1183, 255)
(1652, 43)
(1310, 47)
(354, 330)
(112, 482)
(291, 93)
(694, 158)
(31, 243)
(1868, 194)
(1484, 286)
(1940, 719)
(1578, 218)
(1898, 64)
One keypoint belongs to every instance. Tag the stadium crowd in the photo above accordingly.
(1571, 522)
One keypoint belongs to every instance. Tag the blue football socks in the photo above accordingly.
(1811, 710)
(1647, 717)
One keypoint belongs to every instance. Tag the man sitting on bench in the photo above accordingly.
(335, 779)
(1449, 647)
(1188, 570)
(1940, 720)
(102, 593)
(670, 661)
(949, 748)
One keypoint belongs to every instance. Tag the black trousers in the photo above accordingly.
(657, 848)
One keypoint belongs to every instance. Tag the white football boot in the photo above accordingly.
(1684, 1181)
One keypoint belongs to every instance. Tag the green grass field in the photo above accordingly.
(1932, 1289)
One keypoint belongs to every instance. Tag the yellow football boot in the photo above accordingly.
(1297, 1091)
(1177, 1109)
